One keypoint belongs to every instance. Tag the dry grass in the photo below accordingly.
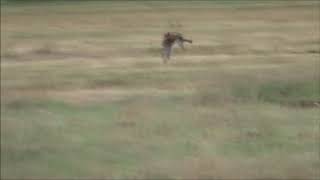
(85, 93)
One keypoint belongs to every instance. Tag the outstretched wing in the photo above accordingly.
(180, 43)
(166, 52)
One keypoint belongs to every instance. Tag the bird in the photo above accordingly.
(169, 39)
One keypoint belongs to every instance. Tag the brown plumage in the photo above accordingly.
(169, 39)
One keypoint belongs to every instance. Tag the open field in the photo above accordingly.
(84, 92)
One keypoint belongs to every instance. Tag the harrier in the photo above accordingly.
(169, 39)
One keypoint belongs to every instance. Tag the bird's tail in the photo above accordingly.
(187, 40)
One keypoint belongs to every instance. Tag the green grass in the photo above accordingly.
(279, 92)
(125, 137)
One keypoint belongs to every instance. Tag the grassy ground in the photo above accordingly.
(84, 92)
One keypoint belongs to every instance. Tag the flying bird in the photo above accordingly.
(169, 39)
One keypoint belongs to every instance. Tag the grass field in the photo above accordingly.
(84, 92)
